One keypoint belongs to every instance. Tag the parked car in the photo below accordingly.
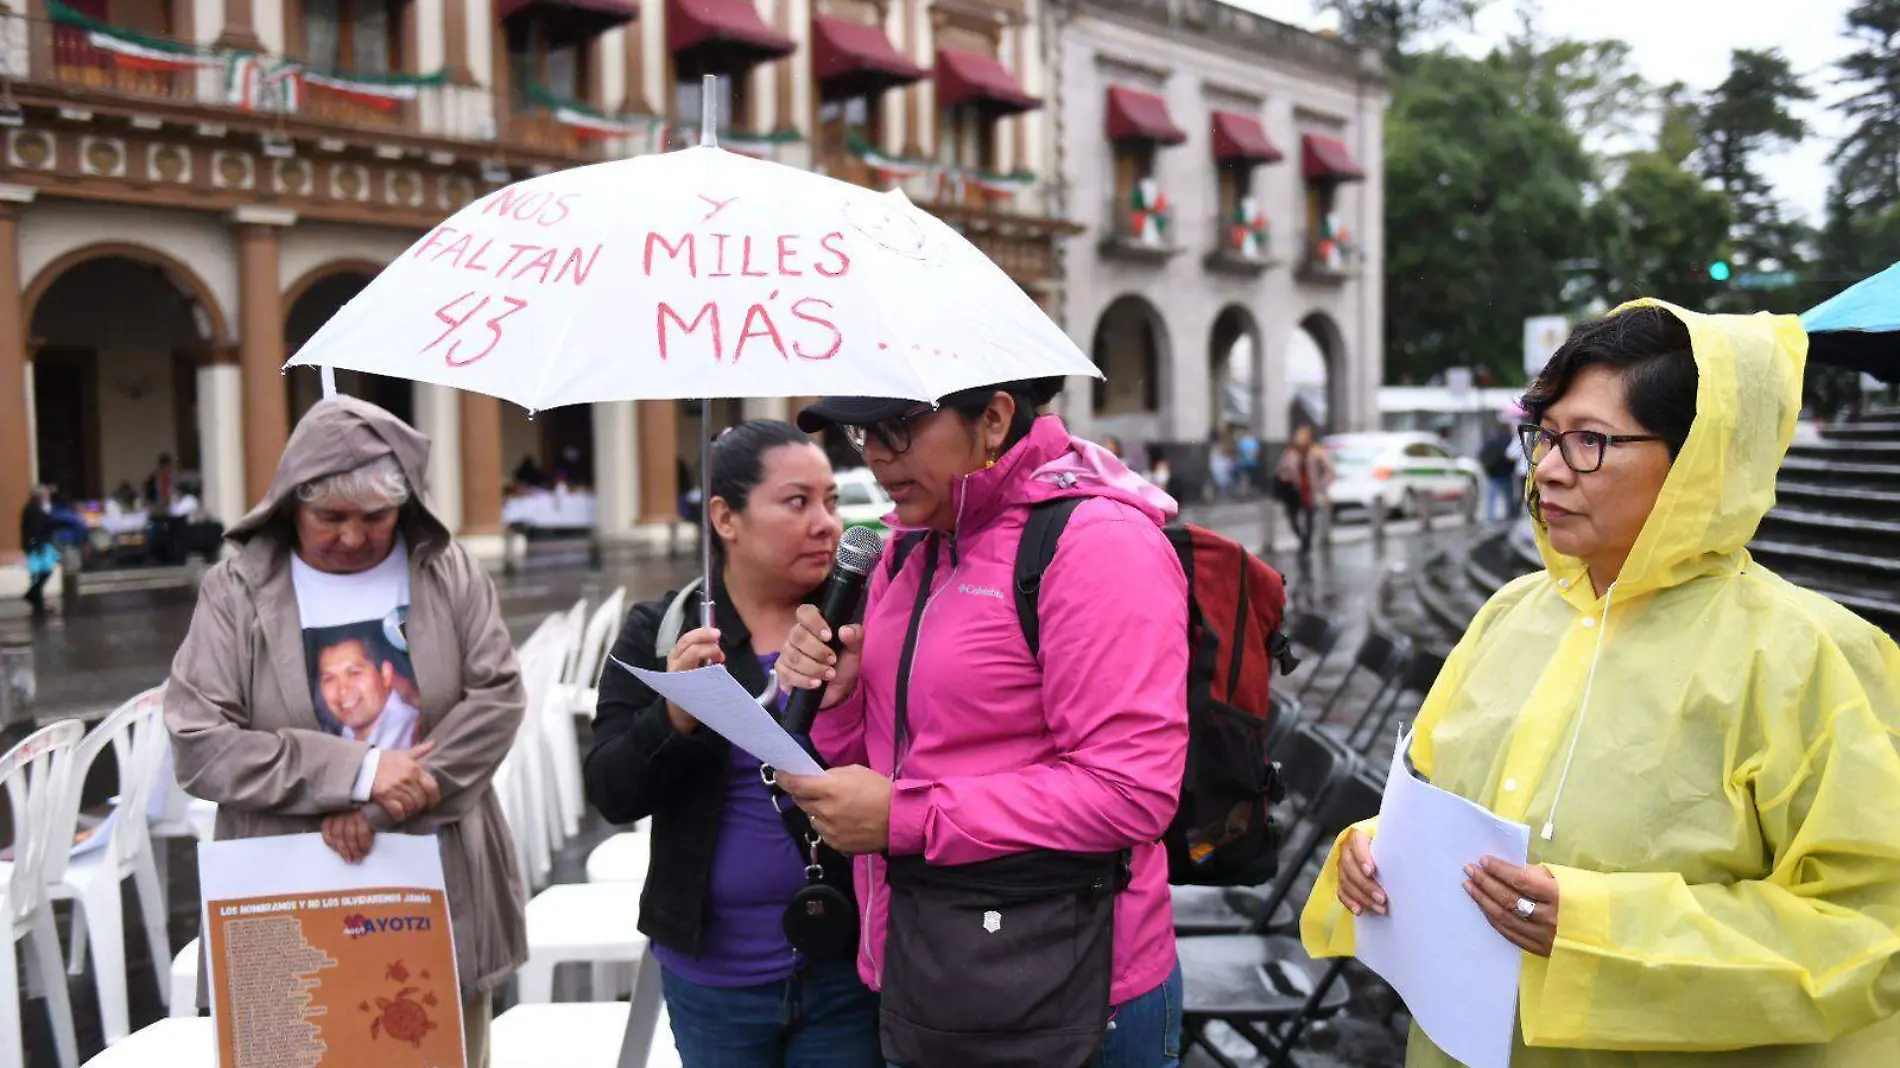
(861, 501)
(1398, 471)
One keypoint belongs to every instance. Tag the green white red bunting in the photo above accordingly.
(137, 56)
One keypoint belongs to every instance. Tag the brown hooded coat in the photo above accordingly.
(244, 728)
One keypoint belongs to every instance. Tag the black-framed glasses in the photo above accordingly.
(1582, 449)
(892, 433)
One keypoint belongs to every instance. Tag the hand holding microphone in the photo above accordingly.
(818, 665)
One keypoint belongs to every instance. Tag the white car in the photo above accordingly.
(861, 501)
(1398, 471)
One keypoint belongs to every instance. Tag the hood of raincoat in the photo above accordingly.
(1748, 399)
(1705, 757)
(341, 434)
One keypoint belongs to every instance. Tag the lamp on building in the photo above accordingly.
(277, 146)
(495, 172)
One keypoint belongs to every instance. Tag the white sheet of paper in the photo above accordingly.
(1457, 975)
(714, 698)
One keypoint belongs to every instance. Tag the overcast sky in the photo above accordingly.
(1687, 41)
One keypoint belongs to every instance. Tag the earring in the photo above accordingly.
(991, 462)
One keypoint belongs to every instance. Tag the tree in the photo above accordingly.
(1654, 233)
(1867, 161)
(1395, 27)
(1745, 117)
(1484, 203)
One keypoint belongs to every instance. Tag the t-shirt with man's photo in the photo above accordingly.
(356, 650)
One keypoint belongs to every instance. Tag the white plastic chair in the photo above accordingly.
(93, 880)
(621, 858)
(582, 923)
(572, 1035)
(529, 761)
(171, 1041)
(598, 640)
(33, 774)
(556, 714)
(184, 981)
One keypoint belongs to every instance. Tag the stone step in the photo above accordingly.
(1842, 471)
(1862, 432)
(1859, 535)
(1841, 500)
(1877, 453)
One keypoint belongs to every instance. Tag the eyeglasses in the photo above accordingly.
(1582, 449)
(892, 433)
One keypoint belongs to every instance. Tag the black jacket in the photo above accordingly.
(36, 527)
(640, 767)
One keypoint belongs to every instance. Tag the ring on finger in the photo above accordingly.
(1524, 909)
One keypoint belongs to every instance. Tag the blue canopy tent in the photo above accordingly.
(1859, 328)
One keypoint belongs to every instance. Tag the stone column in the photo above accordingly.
(763, 408)
(16, 401)
(439, 416)
(616, 468)
(240, 28)
(221, 434)
(455, 41)
(261, 345)
(481, 466)
(659, 461)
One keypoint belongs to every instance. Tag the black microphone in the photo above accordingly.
(858, 551)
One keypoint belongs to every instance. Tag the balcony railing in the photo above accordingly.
(1137, 234)
(1328, 259)
(1239, 247)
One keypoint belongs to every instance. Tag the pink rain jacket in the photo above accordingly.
(1083, 752)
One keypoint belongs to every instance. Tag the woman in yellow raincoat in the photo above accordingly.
(1706, 753)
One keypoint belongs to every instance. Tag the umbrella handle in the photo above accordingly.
(708, 111)
(705, 505)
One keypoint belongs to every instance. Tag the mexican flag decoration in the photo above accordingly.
(999, 186)
(1247, 230)
(1335, 243)
(888, 168)
(130, 50)
(591, 124)
(1149, 217)
(257, 83)
(383, 92)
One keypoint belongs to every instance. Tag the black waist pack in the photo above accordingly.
(1005, 963)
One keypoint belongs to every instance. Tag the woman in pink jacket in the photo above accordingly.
(1005, 806)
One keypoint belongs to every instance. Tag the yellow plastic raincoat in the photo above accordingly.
(1727, 848)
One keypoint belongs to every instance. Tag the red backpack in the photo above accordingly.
(1222, 834)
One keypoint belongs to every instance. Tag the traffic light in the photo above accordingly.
(1718, 270)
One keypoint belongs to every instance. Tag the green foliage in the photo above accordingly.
(1861, 235)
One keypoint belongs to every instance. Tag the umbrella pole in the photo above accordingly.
(709, 111)
(705, 510)
(327, 375)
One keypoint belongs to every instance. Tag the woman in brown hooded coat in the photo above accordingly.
(257, 731)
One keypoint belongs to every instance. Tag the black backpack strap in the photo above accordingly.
(900, 549)
(1033, 556)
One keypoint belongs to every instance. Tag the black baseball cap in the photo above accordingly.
(867, 411)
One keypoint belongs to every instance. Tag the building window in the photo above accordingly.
(353, 35)
(1235, 181)
(841, 122)
(966, 138)
(562, 72)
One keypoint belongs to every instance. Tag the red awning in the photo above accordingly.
(1325, 159)
(732, 24)
(1137, 116)
(567, 22)
(1241, 139)
(857, 59)
(976, 79)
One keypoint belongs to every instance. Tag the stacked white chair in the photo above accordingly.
(557, 724)
(93, 880)
(598, 640)
(33, 775)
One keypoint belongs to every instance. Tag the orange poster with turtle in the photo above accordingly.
(317, 963)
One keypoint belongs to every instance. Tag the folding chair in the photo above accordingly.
(1256, 984)
(1381, 655)
(1422, 669)
(1313, 637)
(33, 773)
(1312, 764)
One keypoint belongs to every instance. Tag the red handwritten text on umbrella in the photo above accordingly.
(794, 326)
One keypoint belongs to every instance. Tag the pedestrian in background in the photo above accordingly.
(36, 538)
(1300, 481)
(345, 548)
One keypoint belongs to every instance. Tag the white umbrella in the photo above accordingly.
(694, 274)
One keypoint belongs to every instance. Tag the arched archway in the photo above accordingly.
(1131, 346)
(1315, 360)
(309, 303)
(112, 394)
(1234, 356)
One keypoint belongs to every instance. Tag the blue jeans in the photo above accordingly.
(822, 1017)
(1144, 1032)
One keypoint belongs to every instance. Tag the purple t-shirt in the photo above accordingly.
(755, 871)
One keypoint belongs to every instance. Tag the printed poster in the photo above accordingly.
(316, 963)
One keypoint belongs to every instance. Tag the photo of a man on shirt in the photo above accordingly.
(364, 688)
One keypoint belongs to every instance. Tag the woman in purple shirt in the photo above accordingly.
(725, 863)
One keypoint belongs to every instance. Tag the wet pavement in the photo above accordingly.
(113, 645)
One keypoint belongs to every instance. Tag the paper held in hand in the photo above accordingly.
(1457, 975)
(713, 697)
